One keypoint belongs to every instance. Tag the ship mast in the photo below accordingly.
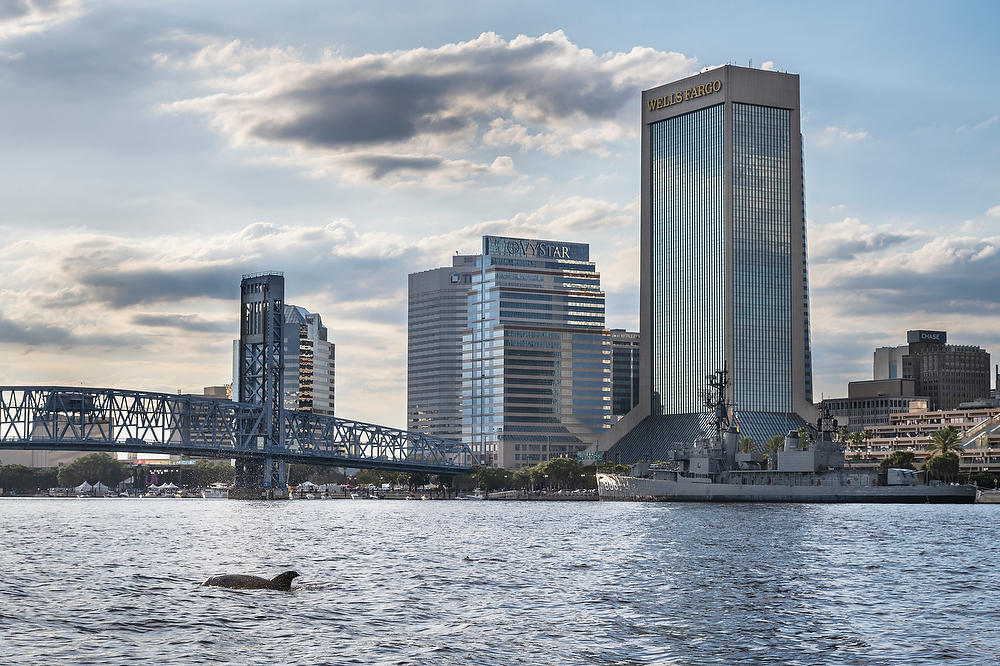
(715, 399)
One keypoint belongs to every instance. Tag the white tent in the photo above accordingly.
(100, 488)
(308, 485)
(84, 488)
(169, 486)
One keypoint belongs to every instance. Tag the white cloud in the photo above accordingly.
(23, 17)
(838, 136)
(994, 211)
(768, 65)
(429, 116)
(110, 308)
(849, 239)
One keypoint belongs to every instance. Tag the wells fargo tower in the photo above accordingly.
(723, 259)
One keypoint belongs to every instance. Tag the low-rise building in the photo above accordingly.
(870, 403)
(913, 431)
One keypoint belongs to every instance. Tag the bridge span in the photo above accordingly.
(258, 430)
(104, 419)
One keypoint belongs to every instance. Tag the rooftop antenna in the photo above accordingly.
(750, 65)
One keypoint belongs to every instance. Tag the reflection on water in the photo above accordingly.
(497, 583)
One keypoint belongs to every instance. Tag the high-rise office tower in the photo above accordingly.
(308, 372)
(310, 363)
(437, 317)
(723, 258)
(624, 371)
(536, 360)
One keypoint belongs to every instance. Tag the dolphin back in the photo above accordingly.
(282, 581)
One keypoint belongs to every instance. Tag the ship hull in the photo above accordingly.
(613, 487)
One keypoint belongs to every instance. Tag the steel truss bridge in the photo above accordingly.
(102, 419)
(257, 430)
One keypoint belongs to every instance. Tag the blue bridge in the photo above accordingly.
(257, 431)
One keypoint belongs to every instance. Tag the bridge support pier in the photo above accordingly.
(260, 478)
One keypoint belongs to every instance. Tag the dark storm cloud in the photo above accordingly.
(191, 323)
(127, 287)
(337, 113)
(382, 165)
(428, 103)
(37, 334)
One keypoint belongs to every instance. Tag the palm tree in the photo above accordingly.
(946, 440)
(746, 444)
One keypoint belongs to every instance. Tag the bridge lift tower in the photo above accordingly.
(260, 362)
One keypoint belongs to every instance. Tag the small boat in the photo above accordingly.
(987, 496)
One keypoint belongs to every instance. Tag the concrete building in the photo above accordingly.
(946, 374)
(624, 371)
(871, 403)
(913, 431)
(536, 360)
(437, 317)
(723, 259)
(309, 371)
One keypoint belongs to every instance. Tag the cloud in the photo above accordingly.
(425, 115)
(994, 211)
(849, 238)
(837, 136)
(193, 323)
(946, 276)
(34, 334)
(23, 17)
(767, 65)
(177, 294)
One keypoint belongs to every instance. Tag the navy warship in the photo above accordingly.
(712, 469)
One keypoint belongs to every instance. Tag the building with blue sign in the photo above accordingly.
(723, 259)
(536, 358)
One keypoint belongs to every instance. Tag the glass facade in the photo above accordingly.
(624, 371)
(536, 358)
(436, 321)
(688, 257)
(762, 259)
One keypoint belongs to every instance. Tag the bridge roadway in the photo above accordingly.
(103, 419)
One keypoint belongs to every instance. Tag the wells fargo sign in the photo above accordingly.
(693, 92)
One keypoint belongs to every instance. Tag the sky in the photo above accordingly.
(152, 153)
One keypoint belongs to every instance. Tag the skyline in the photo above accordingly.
(154, 155)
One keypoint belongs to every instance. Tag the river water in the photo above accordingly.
(390, 582)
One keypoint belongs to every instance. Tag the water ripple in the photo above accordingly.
(499, 583)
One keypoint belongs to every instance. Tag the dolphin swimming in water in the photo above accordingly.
(282, 581)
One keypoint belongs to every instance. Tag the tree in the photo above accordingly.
(746, 444)
(563, 472)
(943, 466)
(775, 444)
(206, 472)
(369, 477)
(860, 439)
(896, 460)
(93, 468)
(18, 478)
(946, 440)
(491, 478)
(298, 472)
(803, 437)
(417, 479)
